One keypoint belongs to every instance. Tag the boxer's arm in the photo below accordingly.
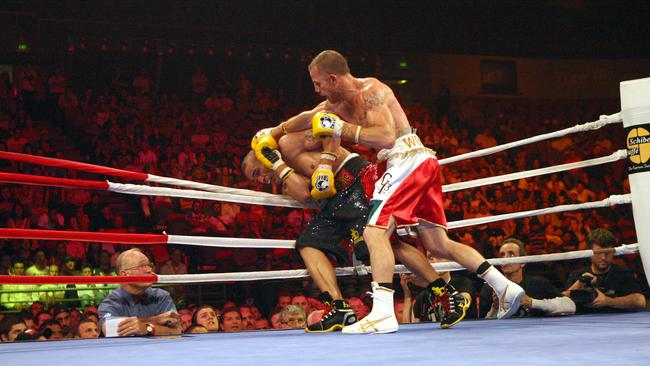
(297, 187)
(299, 122)
(378, 130)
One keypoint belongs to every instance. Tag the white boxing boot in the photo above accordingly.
(508, 292)
(382, 317)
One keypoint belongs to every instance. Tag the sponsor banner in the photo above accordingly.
(638, 148)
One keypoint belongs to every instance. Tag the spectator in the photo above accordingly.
(359, 307)
(75, 318)
(20, 219)
(13, 300)
(583, 194)
(247, 318)
(175, 264)
(604, 286)
(275, 320)
(301, 300)
(11, 327)
(87, 329)
(105, 265)
(90, 294)
(231, 320)
(41, 318)
(542, 298)
(206, 317)
(39, 268)
(65, 320)
(292, 317)
(53, 293)
(36, 308)
(149, 311)
(186, 319)
(54, 327)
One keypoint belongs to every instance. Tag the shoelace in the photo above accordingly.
(328, 309)
(329, 313)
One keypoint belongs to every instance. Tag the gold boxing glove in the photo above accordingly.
(266, 144)
(325, 124)
(322, 182)
(264, 133)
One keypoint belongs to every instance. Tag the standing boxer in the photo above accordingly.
(407, 194)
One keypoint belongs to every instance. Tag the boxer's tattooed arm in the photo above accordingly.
(374, 99)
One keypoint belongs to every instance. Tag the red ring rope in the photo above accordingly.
(119, 238)
(71, 280)
(41, 180)
(84, 167)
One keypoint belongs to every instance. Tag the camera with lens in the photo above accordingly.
(585, 280)
(587, 294)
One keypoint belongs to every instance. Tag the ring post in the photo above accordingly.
(635, 112)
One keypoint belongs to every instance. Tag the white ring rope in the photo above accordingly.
(290, 244)
(616, 199)
(252, 197)
(206, 241)
(615, 156)
(349, 271)
(207, 187)
(603, 121)
(142, 190)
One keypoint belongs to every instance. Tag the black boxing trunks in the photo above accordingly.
(341, 217)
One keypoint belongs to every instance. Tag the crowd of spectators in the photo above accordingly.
(129, 122)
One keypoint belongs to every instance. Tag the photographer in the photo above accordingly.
(605, 287)
(541, 299)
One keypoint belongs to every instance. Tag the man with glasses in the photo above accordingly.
(292, 317)
(148, 311)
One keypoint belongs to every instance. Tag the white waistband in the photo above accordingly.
(347, 158)
(403, 144)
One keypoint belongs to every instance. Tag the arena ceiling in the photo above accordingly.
(542, 28)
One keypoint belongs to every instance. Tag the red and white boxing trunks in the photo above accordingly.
(409, 190)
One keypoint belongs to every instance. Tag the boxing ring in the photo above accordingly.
(580, 340)
(537, 341)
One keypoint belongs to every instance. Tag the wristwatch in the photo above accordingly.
(151, 329)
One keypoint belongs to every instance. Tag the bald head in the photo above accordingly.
(253, 169)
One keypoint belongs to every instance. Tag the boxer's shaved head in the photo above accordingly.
(253, 169)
